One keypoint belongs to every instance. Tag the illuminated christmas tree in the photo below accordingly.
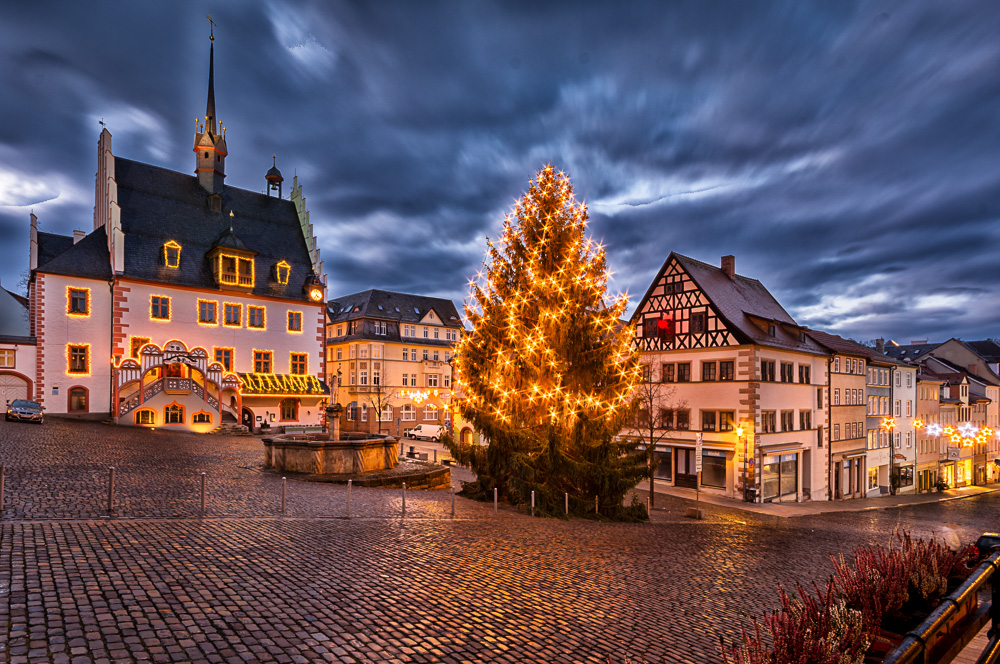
(547, 373)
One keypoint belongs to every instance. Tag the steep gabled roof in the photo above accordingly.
(159, 205)
(988, 349)
(87, 258)
(739, 301)
(392, 306)
(839, 344)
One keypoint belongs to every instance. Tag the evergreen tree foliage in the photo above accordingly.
(548, 371)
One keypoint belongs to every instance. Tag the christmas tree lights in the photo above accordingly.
(547, 373)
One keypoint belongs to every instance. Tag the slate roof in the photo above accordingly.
(158, 205)
(57, 254)
(909, 351)
(839, 344)
(392, 306)
(988, 349)
(13, 316)
(372, 305)
(737, 300)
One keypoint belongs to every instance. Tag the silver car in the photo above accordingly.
(24, 411)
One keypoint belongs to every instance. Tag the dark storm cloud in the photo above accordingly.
(844, 152)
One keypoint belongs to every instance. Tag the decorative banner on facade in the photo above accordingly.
(954, 453)
(697, 453)
(282, 384)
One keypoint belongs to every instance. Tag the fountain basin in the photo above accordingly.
(314, 454)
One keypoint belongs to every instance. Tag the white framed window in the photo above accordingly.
(413, 355)
(425, 333)
(7, 358)
(432, 380)
(377, 350)
(435, 333)
(364, 412)
(364, 351)
(406, 378)
(354, 351)
(408, 413)
(909, 408)
(387, 414)
(430, 412)
(364, 378)
(447, 415)
(447, 380)
(350, 380)
(436, 356)
(425, 354)
(406, 354)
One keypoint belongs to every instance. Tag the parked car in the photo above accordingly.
(425, 432)
(24, 411)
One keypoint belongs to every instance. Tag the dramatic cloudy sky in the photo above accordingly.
(848, 153)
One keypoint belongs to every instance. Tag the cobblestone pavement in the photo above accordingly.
(159, 583)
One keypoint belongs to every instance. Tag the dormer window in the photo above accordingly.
(236, 271)
(172, 254)
(281, 271)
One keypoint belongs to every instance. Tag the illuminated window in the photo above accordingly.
(208, 312)
(262, 361)
(236, 271)
(233, 315)
(159, 307)
(173, 414)
(290, 409)
(202, 417)
(136, 345)
(79, 360)
(145, 416)
(281, 271)
(7, 359)
(78, 301)
(255, 317)
(430, 412)
(294, 321)
(409, 413)
(224, 356)
(172, 254)
(300, 363)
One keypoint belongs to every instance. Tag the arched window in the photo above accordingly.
(409, 413)
(79, 401)
(202, 417)
(289, 410)
(387, 414)
(173, 414)
(430, 412)
(145, 416)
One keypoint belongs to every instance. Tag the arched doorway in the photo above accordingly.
(13, 386)
(466, 436)
(247, 419)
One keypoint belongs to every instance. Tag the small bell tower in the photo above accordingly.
(209, 144)
(274, 178)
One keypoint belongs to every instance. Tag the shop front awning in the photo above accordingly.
(781, 448)
(855, 454)
(266, 385)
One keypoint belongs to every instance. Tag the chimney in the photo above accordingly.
(729, 266)
(880, 345)
(78, 235)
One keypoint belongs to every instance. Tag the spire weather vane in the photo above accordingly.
(211, 29)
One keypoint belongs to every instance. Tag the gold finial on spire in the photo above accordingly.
(211, 29)
(231, 216)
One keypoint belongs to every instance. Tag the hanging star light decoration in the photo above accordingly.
(934, 429)
(968, 429)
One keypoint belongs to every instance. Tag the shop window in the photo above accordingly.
(779, 476)
(713, 469)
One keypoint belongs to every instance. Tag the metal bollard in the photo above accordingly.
(111, 489)
(435, 456)
(400, 448)
(349, 498)
(532, 503)
(453, 502)
(284, 486)
(494, 501)
(567, 504)
(3, 473)
(404, 499)
(203, 493)
(596, 510)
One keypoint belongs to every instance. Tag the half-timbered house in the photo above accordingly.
(729, 360)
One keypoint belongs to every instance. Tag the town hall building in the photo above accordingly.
(190, 304)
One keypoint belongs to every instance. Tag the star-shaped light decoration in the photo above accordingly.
(934, 429)
(918, 424)
(968, 442)
(888, 423)
(948, 431)
(968, 429)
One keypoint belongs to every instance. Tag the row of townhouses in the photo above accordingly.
(781, 412)
(198, 305)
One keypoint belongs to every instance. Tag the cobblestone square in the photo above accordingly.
(159, 582)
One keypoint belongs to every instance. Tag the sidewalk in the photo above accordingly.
(787, 509)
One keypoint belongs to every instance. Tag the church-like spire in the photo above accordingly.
(209, 146)
(210, 105)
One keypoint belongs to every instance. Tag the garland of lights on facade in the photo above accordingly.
(260, 383)
(545, 350)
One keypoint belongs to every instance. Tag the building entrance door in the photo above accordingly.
(687, 476)
(837, 473)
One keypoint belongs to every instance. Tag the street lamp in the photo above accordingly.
(889, 424)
